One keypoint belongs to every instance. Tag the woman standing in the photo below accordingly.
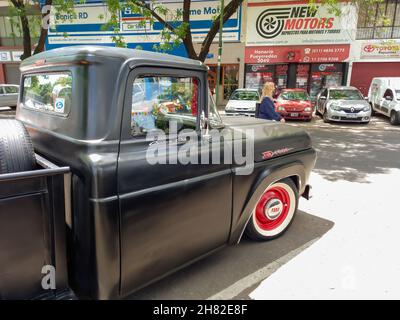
(267, 107)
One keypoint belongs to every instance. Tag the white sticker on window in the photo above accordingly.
(59, 105)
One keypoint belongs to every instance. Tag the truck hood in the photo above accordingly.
(271, 139)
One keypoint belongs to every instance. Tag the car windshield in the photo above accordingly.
(294, 95)
(345, 95)
(245, 95)
(398, 95)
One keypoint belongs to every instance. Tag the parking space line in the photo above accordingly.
(261, 274)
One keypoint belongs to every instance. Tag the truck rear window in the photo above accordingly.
(48, 92)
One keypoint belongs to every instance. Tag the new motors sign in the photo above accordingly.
(298, 23)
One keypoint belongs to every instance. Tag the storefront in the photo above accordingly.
(374, 58)
(9, 65)
(295, 47)
(311, 77)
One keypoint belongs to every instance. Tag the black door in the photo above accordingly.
(170, 213)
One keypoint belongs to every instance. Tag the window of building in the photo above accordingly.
(380, 21)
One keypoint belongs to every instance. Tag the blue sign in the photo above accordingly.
(88, 25)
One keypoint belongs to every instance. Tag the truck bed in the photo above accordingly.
(34, 209)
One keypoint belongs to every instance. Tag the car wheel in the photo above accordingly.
(394, 118)
(16, 149)
(274, 211)
(325, 117)
(373, 112)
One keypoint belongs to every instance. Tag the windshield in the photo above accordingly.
(398, 95)
(345, 95)
(245, 95)
(294, 95)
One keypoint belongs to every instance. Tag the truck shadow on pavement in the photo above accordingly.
(351, 152)
(220, 270)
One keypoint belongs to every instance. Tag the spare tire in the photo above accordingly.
(16, 149)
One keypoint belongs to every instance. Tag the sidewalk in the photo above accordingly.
(358, 258)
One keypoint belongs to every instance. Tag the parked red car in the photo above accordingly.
(294, 104)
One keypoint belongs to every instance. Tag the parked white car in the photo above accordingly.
(243, 102)
(384, 97)
(8, 95)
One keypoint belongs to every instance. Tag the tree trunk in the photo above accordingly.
(44, 29)
(26, 36)
(229, 10)
(187, 40)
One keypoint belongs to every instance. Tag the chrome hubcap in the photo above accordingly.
(273, 209)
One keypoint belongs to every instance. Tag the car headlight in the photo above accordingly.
(335, 106)
(308, 109)
(367, 108)
(281, 109)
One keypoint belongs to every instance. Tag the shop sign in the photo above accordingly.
(5, 56)
(390, 49)
(299, 24)
(88, 25)
(16, 56)
(305, 54)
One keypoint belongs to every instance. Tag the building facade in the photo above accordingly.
(297, 45)
(291, 43)
(376, 49)
(11, 46)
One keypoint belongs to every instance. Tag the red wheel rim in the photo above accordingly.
(272, 209)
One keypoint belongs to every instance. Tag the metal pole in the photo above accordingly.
(221, 27)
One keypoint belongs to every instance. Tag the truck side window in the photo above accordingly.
(158, 100)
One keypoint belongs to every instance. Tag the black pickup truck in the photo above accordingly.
(118, 170)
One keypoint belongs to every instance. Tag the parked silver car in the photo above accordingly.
(345, 104)
(8, 95)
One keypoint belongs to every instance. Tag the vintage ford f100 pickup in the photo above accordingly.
(118, 170)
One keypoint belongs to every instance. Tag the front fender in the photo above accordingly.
(297, 166)
(396, 107)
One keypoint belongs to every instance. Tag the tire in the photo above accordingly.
(16, 149)
(394, 118)
(282, 196)
(325, 117)
(373, 112)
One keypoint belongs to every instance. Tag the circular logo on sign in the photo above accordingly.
(322, 67)
(369, 48)
(59, 105)
(270, 22)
